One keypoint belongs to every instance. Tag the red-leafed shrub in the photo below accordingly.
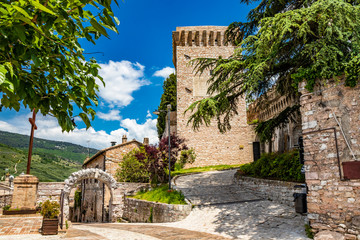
(151, 163)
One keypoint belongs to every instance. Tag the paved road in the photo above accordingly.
(223, 208)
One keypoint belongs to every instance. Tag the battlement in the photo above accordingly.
(199, 36)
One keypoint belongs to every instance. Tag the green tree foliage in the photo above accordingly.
(150, 163)
(168, 97)
(42, 65)
(131, 169)
(283, 43)
(279, 166)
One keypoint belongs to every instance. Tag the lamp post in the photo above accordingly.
(157, 112)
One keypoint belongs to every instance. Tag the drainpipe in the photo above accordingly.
(336, 146)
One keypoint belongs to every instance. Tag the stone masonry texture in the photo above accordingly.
(136, 210)
(25, 192)
(333, 201)
(278, 191)
(211, 146)
(95, 193)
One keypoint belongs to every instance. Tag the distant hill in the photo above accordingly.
(51, 160)
(73, 152)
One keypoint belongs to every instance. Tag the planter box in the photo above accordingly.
(19, 212)
(50, 226)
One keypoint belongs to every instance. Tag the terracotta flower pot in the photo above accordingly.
(50, 226)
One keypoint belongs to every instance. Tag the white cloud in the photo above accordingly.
(113, 115)
(121, 80)
(148, 114)
(48, 128)
(139, 131)
(165, 72)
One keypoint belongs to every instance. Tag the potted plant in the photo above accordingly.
(50, 211)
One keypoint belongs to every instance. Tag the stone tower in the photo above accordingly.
(211, 146)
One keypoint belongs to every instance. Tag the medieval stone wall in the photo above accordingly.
(211, 147)
(274, 190)
(124, 189)
(333, 198)
(115, 155)
(284, 138)
(49, 190)
(6, 193)
(136, 210)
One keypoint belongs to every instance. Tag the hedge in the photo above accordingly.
(278, 166)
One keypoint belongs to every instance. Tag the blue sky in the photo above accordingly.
(134, 63)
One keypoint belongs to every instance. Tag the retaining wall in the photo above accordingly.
(136, 210)
(273, 190)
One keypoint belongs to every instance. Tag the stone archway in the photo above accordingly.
(76, 177)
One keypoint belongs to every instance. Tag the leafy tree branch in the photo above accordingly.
(282, 44)
(44, 67)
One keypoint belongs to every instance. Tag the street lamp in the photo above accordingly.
(157, 112)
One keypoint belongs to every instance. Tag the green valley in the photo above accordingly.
(51, 161)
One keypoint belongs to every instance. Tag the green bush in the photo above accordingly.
(187, 156)
(279, 166)
(50, 209)
(131, 169)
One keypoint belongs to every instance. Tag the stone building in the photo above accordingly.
(211, 146)
(330, 125)
(285, 138)
(95, 195)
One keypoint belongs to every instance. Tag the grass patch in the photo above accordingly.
(204, 169)
(161, 194)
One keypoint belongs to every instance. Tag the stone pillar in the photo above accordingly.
(25, 192)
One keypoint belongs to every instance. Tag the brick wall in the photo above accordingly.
(333, 201)
(136, 210)
(211, 147)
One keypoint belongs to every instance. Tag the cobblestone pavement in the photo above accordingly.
(221, 207)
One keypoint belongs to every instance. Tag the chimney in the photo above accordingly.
(146, 141)
(124, 139)
(113, 143)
